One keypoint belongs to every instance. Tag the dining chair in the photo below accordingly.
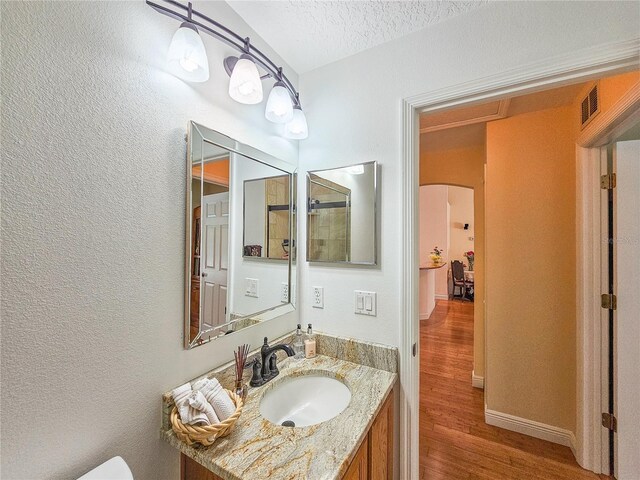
(459, 280)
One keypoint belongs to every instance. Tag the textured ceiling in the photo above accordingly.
(312, 33)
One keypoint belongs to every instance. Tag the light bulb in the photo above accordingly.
(297, 128)
(279, 108)
(187, 57)
(245, 85)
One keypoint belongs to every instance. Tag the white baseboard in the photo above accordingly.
(440, 296)
(572, 444)
(531, 428)
(424, 316)
(476, 380)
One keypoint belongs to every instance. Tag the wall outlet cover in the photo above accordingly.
(318, 297)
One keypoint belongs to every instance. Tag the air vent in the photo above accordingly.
(590, 106)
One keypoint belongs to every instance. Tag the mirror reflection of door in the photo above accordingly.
(215, 259)
(210, 243)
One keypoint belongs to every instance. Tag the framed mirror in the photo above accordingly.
(342, 215)
(226, 290)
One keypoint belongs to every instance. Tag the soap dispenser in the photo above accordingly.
(298, 344)
(310, 343)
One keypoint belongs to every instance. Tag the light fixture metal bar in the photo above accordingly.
(229, 37)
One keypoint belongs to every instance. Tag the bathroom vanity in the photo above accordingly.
(355, 444)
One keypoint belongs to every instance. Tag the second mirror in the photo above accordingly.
(341, 215)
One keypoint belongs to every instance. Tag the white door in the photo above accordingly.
(627, 318)
(215, 259)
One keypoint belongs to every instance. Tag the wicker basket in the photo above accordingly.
(207, 434)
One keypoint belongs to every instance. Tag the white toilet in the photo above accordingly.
(114, 469)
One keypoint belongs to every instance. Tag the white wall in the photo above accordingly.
(434, 230)
(93, 181)
(353, 107)
(461, 202)
(254, 218)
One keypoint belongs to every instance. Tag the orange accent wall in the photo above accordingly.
(216, 172)
(464, 167)
(613, 88)
(530, 266)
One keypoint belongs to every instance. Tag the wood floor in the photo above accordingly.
(455, 443)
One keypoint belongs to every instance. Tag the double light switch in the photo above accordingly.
(365, 303)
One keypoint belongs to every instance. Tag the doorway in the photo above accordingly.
(512, 422)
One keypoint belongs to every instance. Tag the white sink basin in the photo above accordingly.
(305, 400)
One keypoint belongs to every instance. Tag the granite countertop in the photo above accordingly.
(258, 448)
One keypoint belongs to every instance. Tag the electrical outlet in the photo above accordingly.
(318, 297)
(251, 287)
(284, 293)
(365, 303)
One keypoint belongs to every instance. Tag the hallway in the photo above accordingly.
(455, 443)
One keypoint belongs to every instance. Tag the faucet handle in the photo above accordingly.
(266, 342)
(256, 378)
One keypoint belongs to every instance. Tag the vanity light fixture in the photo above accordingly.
(187, 57)
(245, 84)
(188, 60)
(279, 107)
(297, 129)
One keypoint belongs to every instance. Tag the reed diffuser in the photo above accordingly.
(241, 360)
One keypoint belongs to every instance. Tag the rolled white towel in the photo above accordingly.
(200, 403)
(218, 398)
(200, 384)
(180, 396)
(195, 417)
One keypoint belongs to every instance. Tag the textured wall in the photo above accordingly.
(93, 167)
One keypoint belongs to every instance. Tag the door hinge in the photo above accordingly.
(609, 422)
(414, 349)
(608, 301)
(608, 181)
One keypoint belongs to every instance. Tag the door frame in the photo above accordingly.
(592, 450)
(579, 66)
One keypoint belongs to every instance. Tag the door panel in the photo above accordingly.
(627, 319)
(216, 259)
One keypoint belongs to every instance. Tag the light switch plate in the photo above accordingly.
(251, 287)
(284, 293)
(318, 297)
(365, 303)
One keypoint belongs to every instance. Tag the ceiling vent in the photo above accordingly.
(590, 106)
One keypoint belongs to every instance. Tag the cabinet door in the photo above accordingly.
(358, 468)
(381, 443)
(192, 470)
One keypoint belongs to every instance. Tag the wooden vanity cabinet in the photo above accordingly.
(373, 460)
(192, 470)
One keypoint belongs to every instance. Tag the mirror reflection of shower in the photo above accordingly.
(329, 221)
(341, 214)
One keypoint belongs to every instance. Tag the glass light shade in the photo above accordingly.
(245, 85)
(297, 128)
(187, 57)
(279, 107)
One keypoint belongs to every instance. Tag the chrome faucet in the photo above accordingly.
(267, 368)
